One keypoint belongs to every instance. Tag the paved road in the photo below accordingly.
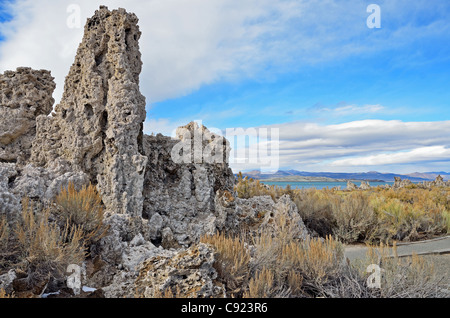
(434, 246)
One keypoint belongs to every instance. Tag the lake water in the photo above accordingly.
(321, 184)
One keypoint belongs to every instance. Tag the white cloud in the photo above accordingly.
(187, 44)
(434, 153)
(358, 145)
(161, 125)
(184, 44)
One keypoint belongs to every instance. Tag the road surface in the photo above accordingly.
(434, 246)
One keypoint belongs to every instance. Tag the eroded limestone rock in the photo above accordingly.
(185, 273)
(180, 196)
(24, 95)
(97, 127)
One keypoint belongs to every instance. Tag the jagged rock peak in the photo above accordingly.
(97, 127)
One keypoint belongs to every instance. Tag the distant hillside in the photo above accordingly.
(288, 175)
(430, 175)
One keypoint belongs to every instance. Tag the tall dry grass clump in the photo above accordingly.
(44, 249)
(318, 261)
(3, 294)
(247, 188)
(7, 250)
(315, 209)
(354, 218)
(4, 234)
(403, 277)
(410, 214)
(232, 261)
(83, 209)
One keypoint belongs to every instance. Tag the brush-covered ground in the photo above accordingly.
(41, 243)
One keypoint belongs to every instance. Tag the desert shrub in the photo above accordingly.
(402, 277)
(354, 218)
(44, 249)
(232, 261)
(295, 268)
(82, 209)
(410, 220)
(247, 188)
(446, 216)
(4, 234)
(265, 285)
(318, 261)
(5, 249)
(3, 294)
(315, 209)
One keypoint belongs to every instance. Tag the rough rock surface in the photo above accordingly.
(399, 183)
(270, 216)
(37, 183)
(6, 281)
(365, 185)
(9, 203)
(97, 127)
(161, 194)
(351, 186)
(24, 95)
(186, 273)
(180, 197)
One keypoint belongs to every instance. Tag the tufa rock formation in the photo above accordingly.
(180, 197)
(97, 127)
(24, 95)
(160, 194)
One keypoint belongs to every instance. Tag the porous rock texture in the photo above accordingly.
(187, 274)
(24, 95)
(97, 127)
(180, 197)
(160, 194)
(95, 134)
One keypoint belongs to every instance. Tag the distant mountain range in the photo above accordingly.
(295, 175)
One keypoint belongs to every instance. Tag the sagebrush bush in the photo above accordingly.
(83, 209)
(317, 260)
(44, 249)
(316, 211)
(402, 277)
(4, 234)
(232, 262)
(265, 285)
(3, 294)
(375, 215)
(354, 218)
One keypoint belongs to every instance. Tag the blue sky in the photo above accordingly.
(343, 96)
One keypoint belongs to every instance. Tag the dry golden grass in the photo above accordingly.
(3, 294)
(232, 261)
(263, 285)
(403, 277)
(354, 218)
(82, 209)
(4, 234)
(374, 215)
(317, 260)
(45, 250)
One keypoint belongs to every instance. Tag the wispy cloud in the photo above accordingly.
(344, 109)
(187, 44)
(357, 145)
(423, 154)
